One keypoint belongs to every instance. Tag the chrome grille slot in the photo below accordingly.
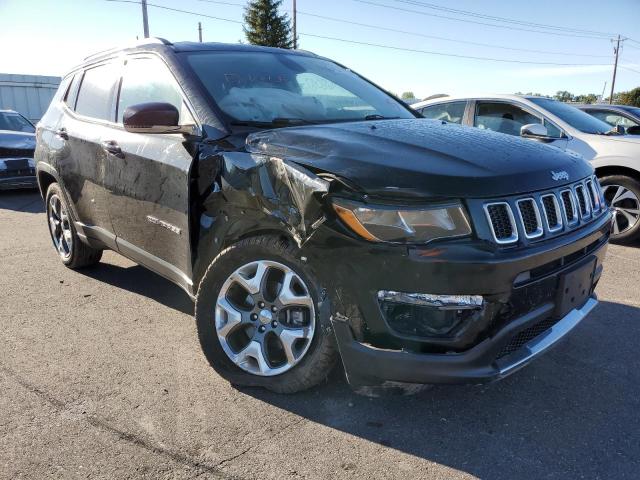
(583, 201)
(569, 207)
(593, 195)
(530, 218)
(502, 222)
(552, 213)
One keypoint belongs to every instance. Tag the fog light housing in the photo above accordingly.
(427, 315)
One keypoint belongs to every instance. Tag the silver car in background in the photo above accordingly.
(615, 156)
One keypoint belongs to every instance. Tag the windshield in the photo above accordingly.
(271, 88)
(576, 118)
(15, 122)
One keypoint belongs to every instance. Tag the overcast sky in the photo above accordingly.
(49, 36)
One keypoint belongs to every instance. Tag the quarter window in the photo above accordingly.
(451, 112)
(96, 92)
(503, 117)
(149, 80)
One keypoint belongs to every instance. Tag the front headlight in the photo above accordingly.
(378, 223)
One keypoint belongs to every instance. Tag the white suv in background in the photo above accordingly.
(615, 157)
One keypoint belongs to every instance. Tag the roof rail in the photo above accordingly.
(137, 43)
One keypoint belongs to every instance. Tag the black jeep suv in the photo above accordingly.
(312, 216)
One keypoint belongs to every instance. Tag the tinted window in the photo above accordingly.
(72, 92)
(576, 118)
(260, 87)
(613, 118)
(96, 92)
(503, 117)
(148, 80)
(15, 122)
(449, 112)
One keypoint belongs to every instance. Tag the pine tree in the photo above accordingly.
(265, 26)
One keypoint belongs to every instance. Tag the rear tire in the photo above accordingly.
(240, 352)
(71, 250)
(623, 194)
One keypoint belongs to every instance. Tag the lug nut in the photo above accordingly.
(261, 329)
(274, 309)
(261, 304)
(254, 316)
(274, 324)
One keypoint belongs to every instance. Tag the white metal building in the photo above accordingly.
(28, 94)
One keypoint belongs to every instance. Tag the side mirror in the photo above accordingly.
(619, 129)
(154, 117)
(534, 130)
(635, 130)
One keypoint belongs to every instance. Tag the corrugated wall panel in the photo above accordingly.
(28, 94)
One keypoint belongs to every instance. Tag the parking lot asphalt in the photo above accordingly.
(102, 376)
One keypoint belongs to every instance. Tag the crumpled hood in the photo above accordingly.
(422, 157)
(22, 140)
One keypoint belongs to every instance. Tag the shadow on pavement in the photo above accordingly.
(28, 201)
(571, 414)
(144, 282)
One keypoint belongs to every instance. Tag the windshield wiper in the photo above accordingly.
(377, 116)
(275, 122)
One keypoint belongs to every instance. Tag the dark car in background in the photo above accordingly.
(628, 117)
(314, 217)
(17, 143)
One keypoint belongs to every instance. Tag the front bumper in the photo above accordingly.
(525, 312)
(18, 182)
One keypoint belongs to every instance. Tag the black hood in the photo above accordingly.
(422, 157)
(17, 140)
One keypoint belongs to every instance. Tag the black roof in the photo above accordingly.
(239, 47)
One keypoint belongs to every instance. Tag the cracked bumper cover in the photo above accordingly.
(376, 353)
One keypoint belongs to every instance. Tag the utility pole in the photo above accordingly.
(145, 20)
(200, 31)
(295, 27)
(615, 68)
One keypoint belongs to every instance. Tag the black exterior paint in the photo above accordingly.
(225, 184)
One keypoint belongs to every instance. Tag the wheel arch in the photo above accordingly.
(46, 176)
(608, 170)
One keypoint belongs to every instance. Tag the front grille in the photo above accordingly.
(569, 205)
(552, 212)
(530, 217)
(16, 152)
(585, 211)
(502, 222)
(525, 336)
(562, 210)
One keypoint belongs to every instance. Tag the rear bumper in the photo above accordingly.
(368, 365)
(14, 183)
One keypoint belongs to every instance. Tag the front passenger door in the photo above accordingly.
(147, 176)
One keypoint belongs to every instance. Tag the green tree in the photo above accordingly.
(407, 95)
(588, 98)
(563, 96)
(632, 97)
(263, 25)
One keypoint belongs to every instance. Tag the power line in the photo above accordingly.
(630, 69)
(355, 42)
(477, 22)
(378, 27)
(502, 19)
(429, 52)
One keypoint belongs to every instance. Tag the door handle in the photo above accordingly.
(62, 133)
(113, 148)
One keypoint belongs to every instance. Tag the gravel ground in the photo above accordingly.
(102, 377)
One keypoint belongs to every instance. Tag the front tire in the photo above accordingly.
(622, 193)
(71, 250)
(261, 319)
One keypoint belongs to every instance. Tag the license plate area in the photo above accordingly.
(575, 287)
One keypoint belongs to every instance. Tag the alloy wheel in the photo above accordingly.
(60, 227)
(626, 207)
(265, 318)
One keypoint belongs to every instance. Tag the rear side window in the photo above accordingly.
(96, 92)
(72, 92)
(451, 112)
(149, 80)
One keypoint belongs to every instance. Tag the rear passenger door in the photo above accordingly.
(88, 113)
(147, 175)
